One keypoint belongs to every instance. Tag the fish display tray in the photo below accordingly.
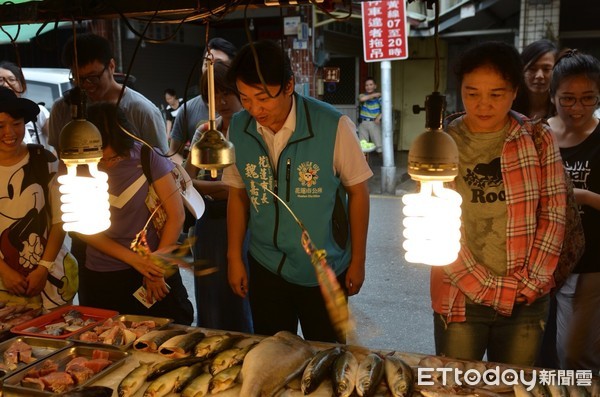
(56, 316)
(127, 319)
(12, 384)
(41, 348)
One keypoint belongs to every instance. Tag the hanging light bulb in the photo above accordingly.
(84, 199)
(213, 151)
(432, 216)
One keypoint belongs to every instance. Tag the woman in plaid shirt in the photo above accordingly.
(494, 298)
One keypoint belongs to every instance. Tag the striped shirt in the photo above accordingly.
(536, 207)
(370, 109)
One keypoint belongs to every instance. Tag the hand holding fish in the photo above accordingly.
(156, 289)
(146, 267)
(238, 279)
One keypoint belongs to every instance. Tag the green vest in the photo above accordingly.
(306, 182)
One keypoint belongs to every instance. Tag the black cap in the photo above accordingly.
(17, 107)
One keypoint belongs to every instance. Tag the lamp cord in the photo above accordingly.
(436, 35)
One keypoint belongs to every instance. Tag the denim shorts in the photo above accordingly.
(511, 340)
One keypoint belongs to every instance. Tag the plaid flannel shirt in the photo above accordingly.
(536, 207)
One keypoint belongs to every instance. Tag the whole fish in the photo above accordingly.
(540, 390)
(344, 374)
(399, 376)
(198, 387)
(519, 390)
(369, 375)
(578, 391)
(211, 345)
(229, 358)
(325, 389)
(192, 373)
(557, 390)
(270, 365)
(436, 393)
(153, 339)
(134, 380)
(164, 367)
(164, 384)
(224, 380)
(180, 345)
(318, 368)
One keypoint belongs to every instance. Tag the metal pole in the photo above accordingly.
(388, 170)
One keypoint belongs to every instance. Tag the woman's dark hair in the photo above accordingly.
(502, 57)
(533, 51)
(222, 82)
(90, 48)
(170, 91)
(275, 65)
(16, 70)
(574, 63)
(111, 121)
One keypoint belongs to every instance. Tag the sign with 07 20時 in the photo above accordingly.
(384, 30)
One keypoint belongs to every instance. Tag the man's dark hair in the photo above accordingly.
(220, 44)
(275, 66)
(170, 91)
(90, 48)
(502, 57)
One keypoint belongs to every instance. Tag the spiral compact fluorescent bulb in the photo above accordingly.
(432, 225)
(84, 200)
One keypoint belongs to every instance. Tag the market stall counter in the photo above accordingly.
(166, 359)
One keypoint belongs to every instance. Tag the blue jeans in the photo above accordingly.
(512, 340)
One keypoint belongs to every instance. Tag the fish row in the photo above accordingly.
(178, 343)
(214, 370)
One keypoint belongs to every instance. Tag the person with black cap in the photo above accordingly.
(31, 235)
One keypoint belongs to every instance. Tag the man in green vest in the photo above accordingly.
(308, 153)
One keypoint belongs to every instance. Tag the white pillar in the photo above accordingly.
(388, 170)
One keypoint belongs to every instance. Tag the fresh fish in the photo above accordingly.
(89, 391)
(318, 368)
(540, 390)
(344, 374)
(192, 373)
(369, 375)
(225, 379)
(595, 387)
(436, 393)
(578, 391)
(275, 360)
(134, 380)
(235, 391)
(153, 339)
(180, 345)
(520, 391)
(229, 358)
(557, 390)
(164, 367)
(165, 383)
(214, 344)
(325, 389)
(399, 376)
(197, 387)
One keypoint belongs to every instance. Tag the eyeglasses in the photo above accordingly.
(568, 101)
(10, 80)
(92, 79)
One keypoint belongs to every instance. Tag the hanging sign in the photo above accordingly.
(331, 74)
(384, 30)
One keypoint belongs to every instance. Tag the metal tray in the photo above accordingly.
(36, 326)
(41, 348)
(12, 384)
(127, 319)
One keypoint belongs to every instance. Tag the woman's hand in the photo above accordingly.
(156, 289)
(146, 267)
(14, 281)
(36, 281)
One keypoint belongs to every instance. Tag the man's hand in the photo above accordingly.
(156, 289)
(355, 277)
(238, 279)
(36, 281)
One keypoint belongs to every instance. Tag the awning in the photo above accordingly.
(24, 33)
